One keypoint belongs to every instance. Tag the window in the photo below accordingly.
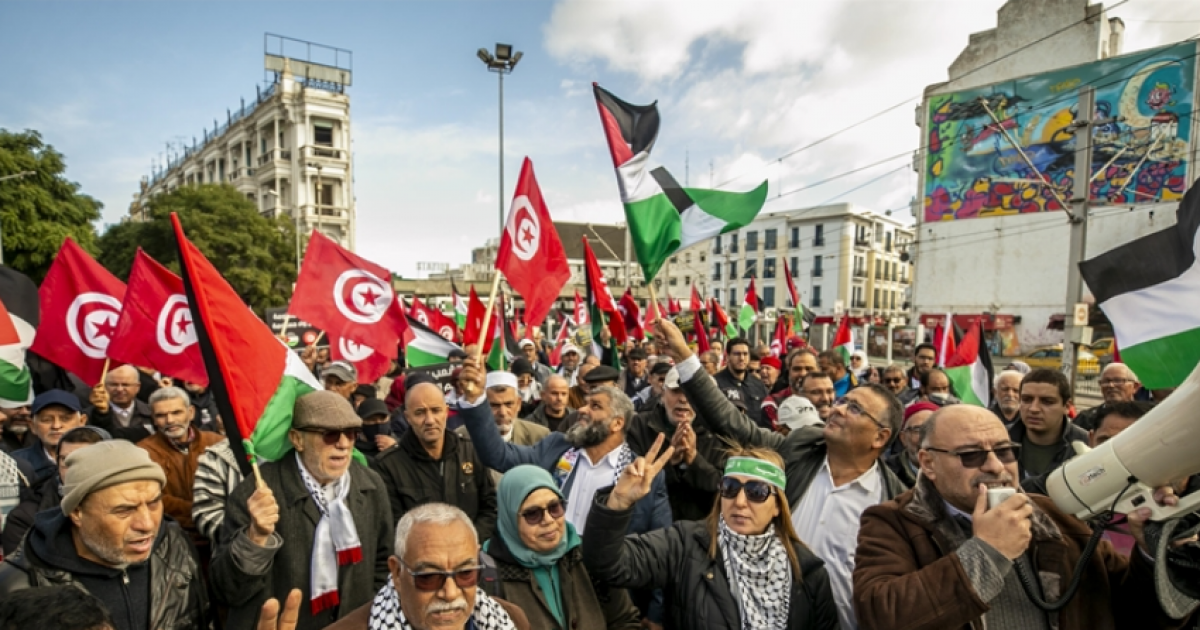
(875, 301)
(893, 300)
(687, 259)
(703, 257)
(716, 271)
(717, 295)
(816, 267)
(752, 241)
(686, 280)
(717, 245)
(323, 133)
(674, 281)
(768, 296)
(769, 238)
(262, 145)
(324, 195)
(248, 157)
(888, 242)
(795, 241)
(769, 268)
(816, 297)
(733, 244)
(795, 267)
(819, 235)
(733, 270)
(751, 268)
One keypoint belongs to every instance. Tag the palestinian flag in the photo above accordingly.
(426, 347)
(663, 216)
(804, 317)
(501, 355)
(843, 340)
(254, 377)
(18, 323)
(460, 306)
(945, 338)
(970, 368)
(1150, 290)
(750, 308)
(599, 300)
(722, 320)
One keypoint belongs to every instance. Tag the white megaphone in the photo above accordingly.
(1120, 475)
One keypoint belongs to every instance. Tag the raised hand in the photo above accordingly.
(637, 478)
(264, 514)
(1005, 527)
(684, 443)
(271, 619)
(99, 398)
(472, 378)
(675, 345)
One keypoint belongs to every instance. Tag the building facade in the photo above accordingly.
(289, 152)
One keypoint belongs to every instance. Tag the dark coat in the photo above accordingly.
(290, 565)
(586, 606)
(33, 500)
(691, 488)
(176, 597)
(696, 591)
(11, 442)
(803, 450)
(898, 462)
(141, 422)
(34, 457)
(538, 416)
(907, 575)
(750, 390)
(413, 478)
(1069, 433)
(360, 618)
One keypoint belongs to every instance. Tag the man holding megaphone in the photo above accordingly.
(939, 556)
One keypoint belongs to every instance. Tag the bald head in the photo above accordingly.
(122, 384)
(425, 410)
(962, 429)
(1118, 383)
(555, 394)
(421, 393)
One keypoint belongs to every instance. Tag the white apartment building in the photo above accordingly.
(843, 260)
(289, 151)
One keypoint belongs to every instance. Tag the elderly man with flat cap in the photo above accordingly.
(108, 537)
(317, 520)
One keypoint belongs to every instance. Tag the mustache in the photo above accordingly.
(990, 478)
(436, 607)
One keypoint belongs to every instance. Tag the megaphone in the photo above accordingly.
(1121, 474)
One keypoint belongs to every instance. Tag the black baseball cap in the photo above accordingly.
(56, 397)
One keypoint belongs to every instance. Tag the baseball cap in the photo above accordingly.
(343, 370)
(797, 411)
(672, 379)
(372, 407)
(55, 397)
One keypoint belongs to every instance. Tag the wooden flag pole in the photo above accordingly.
(487, 314)
(104, 372)
(317, 340)
(653, 301)
(287, 319)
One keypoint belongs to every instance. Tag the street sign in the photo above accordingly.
(1081, 314)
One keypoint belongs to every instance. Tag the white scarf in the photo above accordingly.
(335, 542)
(760, 576)
(386, 613)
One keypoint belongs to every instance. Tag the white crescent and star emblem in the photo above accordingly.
(92, 321)
(524, 229)
(175, 330)
(423, 318)
(361, 296)
(353, 351)
(446, 332)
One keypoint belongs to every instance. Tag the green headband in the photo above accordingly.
(758, 469)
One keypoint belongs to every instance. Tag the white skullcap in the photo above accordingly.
(501, 379)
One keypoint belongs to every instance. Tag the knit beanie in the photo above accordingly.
(324, 409)
(105, 464)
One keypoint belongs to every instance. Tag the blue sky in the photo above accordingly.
(739, 84)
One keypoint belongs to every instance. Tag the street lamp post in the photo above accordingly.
(296, 221)
(502, 63)
(17, 176)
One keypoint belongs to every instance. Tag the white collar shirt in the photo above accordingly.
(588, 478)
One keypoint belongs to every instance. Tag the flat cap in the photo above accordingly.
(601, 374)
(324, 410)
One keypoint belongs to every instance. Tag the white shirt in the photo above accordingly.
(588, 479)
(827, 520)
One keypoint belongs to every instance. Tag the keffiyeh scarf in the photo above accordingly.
(566, 464)
(386, 613)
(760, 576)
(335, 541)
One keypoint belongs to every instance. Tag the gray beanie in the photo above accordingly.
(324, 409)
(105, 464)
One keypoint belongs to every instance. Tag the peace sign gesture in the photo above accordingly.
(636, 479)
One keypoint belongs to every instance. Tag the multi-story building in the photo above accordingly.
(842, 259)
(288, 151)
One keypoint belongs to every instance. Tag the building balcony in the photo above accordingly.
(274, 155)
(325, 153)
(860, 273)
(858, 304)
(817, 273)
(819, 241)
(862, 242)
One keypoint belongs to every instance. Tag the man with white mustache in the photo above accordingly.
(1007, 405)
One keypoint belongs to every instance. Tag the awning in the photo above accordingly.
(854, 321)
(997, 321)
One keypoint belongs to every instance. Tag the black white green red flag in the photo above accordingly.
(18, 324)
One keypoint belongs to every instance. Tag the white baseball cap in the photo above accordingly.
(797, 411)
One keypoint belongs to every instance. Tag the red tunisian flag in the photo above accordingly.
(155, 329)
(369, 364)
(80, 304)
(581, 311)
(697, 304)
(531, 255)
(673, 307)
(632, 316)
(434, 319)
(347, 296)
(473, 329)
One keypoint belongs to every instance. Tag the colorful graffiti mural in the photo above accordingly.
(973, 170)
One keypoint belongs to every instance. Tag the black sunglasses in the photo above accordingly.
(976, 458)
(430, 581)
(333, 436)
(756, 491)
(894, 380)
(533, 515)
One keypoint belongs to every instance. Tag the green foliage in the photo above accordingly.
(257, 255)
(39, 211)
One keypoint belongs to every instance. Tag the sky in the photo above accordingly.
(740, 87)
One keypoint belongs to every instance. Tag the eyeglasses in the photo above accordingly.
(333, 436)
(976, 457)
(1114, 382)
(856, 410)
(894, 380)
(756, 491)
(533, 515)
(431, 581)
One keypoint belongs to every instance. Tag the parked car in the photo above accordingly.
(1103, 349)
(1051, 357)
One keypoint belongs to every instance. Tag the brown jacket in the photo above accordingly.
(906, 575)
(360, 617)
(180, 469)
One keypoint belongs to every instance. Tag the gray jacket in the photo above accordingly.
(245, 575)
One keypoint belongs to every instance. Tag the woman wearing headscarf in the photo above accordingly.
(743, 568)
(539, 561)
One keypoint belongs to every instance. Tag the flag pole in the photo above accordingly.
(653, 300)
(487, 314)
(287, 319)
(104, 372)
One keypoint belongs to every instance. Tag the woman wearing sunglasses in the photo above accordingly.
(538, 558)
(742, 568)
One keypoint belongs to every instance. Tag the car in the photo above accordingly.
(1102, 347)
(1050, 357)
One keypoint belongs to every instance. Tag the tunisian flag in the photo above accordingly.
(155, 329)
(80, 304)
(632, 316)
(696, 304)
(347, 296)
(531, 255)
(370, 364)
(434, 319)
(472, 330)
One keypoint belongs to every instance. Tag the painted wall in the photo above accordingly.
(969, 165)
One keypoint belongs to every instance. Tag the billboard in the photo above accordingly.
(972, 169)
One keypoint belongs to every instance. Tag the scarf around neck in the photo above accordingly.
(386, 613)
(760, 576)
(335, 541)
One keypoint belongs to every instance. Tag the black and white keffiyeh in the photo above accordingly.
(386, 613)
(335, 541)
(760, 576)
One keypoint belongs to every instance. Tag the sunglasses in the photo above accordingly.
(893, 380)
(333, 436)
(976, 458)
(533, 515)
(756, 491)
(431, 581)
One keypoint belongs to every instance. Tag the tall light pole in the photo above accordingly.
(17, 176)
(502, 63)
(296, 220)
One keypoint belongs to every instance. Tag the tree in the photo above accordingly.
(39, 211)
(256, 254)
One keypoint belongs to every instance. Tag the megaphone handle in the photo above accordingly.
(1142, 496)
